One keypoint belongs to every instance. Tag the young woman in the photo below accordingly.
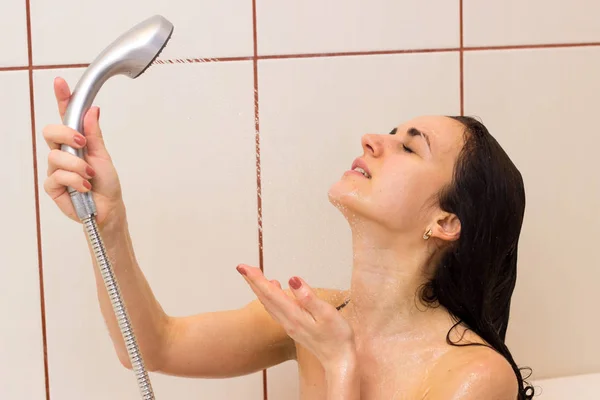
(435, 208)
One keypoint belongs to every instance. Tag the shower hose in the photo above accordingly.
(120, 311)
(85, 208)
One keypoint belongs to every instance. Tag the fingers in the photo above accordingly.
(308, 299)
(93, 133)
(61, 160)
(91, 126)
(62, 93)
(56, 135)
(56, 184)
(279, 304)
(91, 122)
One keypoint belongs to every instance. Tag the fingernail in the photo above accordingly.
(87, 185)
(90, 171)
(241, 270)
(80, 140)
(295, 283)
(98, 112)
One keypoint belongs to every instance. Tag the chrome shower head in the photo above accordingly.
(130, 55)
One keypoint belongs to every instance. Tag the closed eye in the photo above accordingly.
(407, 149)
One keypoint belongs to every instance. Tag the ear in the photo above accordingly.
(446, 227)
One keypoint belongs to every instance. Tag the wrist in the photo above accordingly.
(113, 229)
(344, 355)
(342, 367)
(115, 221)
(343, 379)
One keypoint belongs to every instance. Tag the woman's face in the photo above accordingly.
(405, 169)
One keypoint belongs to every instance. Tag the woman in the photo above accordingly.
(435, 208)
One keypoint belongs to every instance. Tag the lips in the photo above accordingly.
(360, 163)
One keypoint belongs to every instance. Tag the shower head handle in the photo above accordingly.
(130, 55)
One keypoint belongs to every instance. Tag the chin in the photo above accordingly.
(346, 198)
(357, 206)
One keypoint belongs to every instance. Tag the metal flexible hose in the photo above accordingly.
(119, 309)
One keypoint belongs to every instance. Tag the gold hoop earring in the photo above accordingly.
(427, 234)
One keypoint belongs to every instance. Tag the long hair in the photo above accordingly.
(476, 276)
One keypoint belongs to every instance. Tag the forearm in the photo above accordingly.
(147, 318)
(343, 380)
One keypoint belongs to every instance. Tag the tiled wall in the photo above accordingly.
(290, 89)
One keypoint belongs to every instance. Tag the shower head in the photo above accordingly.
(130, 55)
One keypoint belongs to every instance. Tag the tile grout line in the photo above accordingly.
(533, 46)
(355, 53)
(8, 69)
(57, 66)
(258, 166)
(462, 58)
(37, 198)
(322, 55)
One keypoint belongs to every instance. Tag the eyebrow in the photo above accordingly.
(412, 132)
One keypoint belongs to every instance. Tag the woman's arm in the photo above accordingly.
(217, 344)
(343, 379)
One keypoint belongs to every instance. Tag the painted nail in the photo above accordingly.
(80, 140)
(90, 171)
(241, 270)
(87, 185)
(295, 283)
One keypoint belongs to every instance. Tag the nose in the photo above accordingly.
(372, 144)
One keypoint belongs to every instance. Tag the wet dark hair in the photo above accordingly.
(477, 274)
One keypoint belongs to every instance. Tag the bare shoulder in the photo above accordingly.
(472, 372)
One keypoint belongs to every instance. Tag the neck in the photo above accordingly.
(386, 283)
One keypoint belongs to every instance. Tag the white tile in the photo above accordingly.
(13, 30)
(313, 26)
(541, 106)
(72, 31)
(514, 22)
(310, 133)
(182, 138)
(21, 352)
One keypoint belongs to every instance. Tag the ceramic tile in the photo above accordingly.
(13, 29)
(21, 350)
(313, 26)
(513, 22)
(71, 31)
